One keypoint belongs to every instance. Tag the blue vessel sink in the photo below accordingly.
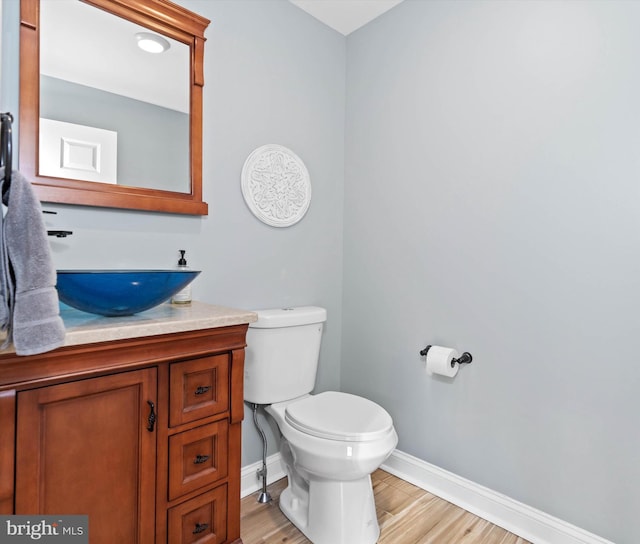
(120, 292)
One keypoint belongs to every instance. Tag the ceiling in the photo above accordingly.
(345, 16)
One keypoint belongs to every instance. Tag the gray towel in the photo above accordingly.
(29, 278)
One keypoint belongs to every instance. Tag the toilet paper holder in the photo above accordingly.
(465, 358)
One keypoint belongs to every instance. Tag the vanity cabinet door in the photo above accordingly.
(7, 450)
(89, 447)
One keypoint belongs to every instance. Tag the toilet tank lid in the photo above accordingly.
(289, 317)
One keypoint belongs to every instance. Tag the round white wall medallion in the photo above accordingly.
(276, 185)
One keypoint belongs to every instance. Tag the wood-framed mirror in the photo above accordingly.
(158, 139)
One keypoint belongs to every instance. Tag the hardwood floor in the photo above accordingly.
(406, 514)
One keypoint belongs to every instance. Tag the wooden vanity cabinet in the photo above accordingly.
(143, 435)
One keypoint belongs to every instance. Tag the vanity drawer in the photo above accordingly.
(197, 458)
(200, 520)
(199, 388)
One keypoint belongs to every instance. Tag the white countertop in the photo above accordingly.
(84, 328)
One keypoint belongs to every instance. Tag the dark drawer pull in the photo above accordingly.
(151, 420)
(201, 390)
(200, 459)
(200, 527)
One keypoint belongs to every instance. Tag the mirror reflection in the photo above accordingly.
(111, 112)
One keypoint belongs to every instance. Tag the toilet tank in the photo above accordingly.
(281, 358)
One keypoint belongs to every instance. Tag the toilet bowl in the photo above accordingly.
(330, 442)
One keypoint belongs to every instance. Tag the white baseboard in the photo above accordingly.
(249, 481)
(516, 517)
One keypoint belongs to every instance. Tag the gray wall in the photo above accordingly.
(492, 204)
(272, 75)
(9, 30)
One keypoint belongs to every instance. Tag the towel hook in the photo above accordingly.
(6, 145)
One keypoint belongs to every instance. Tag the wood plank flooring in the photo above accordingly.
(406, 514)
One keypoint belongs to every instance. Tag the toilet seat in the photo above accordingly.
(339, 416)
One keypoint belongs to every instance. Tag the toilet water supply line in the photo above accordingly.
(264, 496)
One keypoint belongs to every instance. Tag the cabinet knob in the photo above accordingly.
(200, 527)
(202, 389)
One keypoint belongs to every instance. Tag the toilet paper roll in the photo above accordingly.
(439, 361)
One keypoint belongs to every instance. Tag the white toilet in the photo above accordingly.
(331, 442)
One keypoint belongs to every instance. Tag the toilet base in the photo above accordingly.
(330, 512)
